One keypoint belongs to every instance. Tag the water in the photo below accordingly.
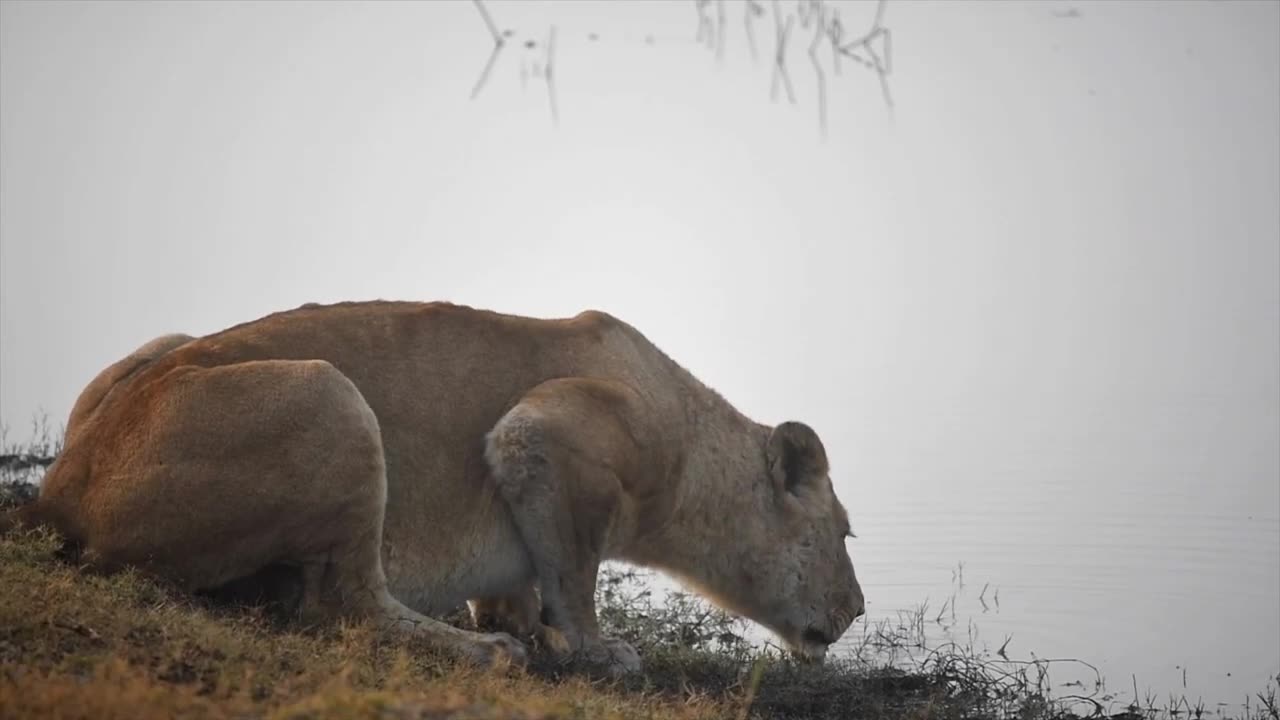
(1157, 563)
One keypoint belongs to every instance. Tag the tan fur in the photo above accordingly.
(409, 457)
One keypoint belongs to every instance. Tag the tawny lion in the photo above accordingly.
(409, 457)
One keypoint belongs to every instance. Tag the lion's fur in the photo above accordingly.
(206, 458)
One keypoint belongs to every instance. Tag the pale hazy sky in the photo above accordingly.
(1058, 210)
(1065, 227)
(1057, 258)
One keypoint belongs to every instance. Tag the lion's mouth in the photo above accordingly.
(811, 647)
(814, 636)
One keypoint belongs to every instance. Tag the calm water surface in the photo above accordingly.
(1158, 563)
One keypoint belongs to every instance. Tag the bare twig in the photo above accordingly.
(872, 50)
(720, 22)
(751, 7)
(1003, 651)
(883, 75)
(781, 32)
(488, 21)
(704, 22)
(883, 66)
(551, 83)
(484, 74)
(818, 32)
(835, 31)
(498, 44)
(888, 51)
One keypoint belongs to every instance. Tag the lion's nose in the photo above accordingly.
(857, 602)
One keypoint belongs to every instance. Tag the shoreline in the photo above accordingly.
(74, 644)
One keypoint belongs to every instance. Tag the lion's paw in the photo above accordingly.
(552, 639)
(616, 657)
(497, 651)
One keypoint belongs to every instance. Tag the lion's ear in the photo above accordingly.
(796, 456)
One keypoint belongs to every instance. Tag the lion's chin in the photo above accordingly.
(809, 653)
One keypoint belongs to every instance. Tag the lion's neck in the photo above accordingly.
(718, 499)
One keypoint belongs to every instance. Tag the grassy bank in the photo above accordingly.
(74, 644)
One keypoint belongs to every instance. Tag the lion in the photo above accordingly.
(407, 458)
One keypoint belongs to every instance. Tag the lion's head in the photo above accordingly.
(794, 575)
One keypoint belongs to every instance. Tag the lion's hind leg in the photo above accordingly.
(239, 467)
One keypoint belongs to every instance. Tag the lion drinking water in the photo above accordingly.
(409, 457)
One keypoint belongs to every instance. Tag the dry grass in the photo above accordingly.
(76, 644)
(79, 645)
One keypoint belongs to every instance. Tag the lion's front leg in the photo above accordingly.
(558, 458)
